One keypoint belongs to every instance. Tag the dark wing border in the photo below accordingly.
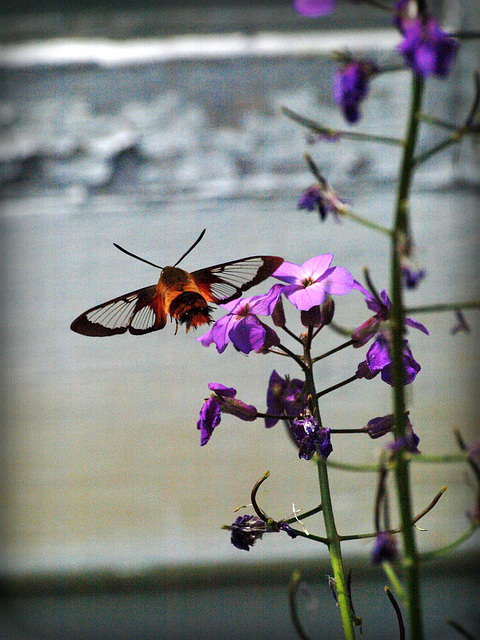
(138, 312)
(225, 282)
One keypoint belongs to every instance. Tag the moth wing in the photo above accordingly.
(139, 312)
(227, 281)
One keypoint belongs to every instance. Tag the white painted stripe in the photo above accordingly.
(107, 52)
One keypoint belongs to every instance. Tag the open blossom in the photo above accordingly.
(222, 400)
(284, 398)
(427, 49)
(309, 283)
(241, 325)
(351, 87)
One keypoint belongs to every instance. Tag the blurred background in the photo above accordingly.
(143, 124)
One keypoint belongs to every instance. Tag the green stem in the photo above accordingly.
(349, 135)
(344, 345)
(335, 550)
(337, 386)
(333, 539)
(447, 306)
(402, 472)
(453, 139)
(447, 549)
(394, 580)
(347, 213)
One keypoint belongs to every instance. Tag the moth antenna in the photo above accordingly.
(129, 253)
(191, 248)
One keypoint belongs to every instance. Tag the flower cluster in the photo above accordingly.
(427, 49)
(307, 286)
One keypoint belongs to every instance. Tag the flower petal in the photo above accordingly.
(222, 390)
(289, 272)
(248, 334)
(337, 281)
(304, 298)
(314, 268)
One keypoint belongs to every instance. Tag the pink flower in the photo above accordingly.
(309, 283)
(241, 325)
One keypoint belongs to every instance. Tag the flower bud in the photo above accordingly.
(278, 314)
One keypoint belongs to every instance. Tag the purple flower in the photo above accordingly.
(241, 325)
(310, 438)
(385, 548)
(246, 530)
(378, 427)
(351, 87)
(314, 8)
(379, 358)
(323, 199)
(382, 308)
(427, 49)
(409, 441)
(309, 283)
(411, 274)
(284, 398)
(221, 400)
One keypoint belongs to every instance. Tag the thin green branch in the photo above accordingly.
(453, 139)
(348, 213)
(332, 351)
(444, 306)
(305, 515)
(360, 468)
(463, 632)
(335, 133)
(363, 536)
(437, 122)
(448, 548)
(336, 386)
(292, 335)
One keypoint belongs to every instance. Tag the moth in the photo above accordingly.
(183, 296)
